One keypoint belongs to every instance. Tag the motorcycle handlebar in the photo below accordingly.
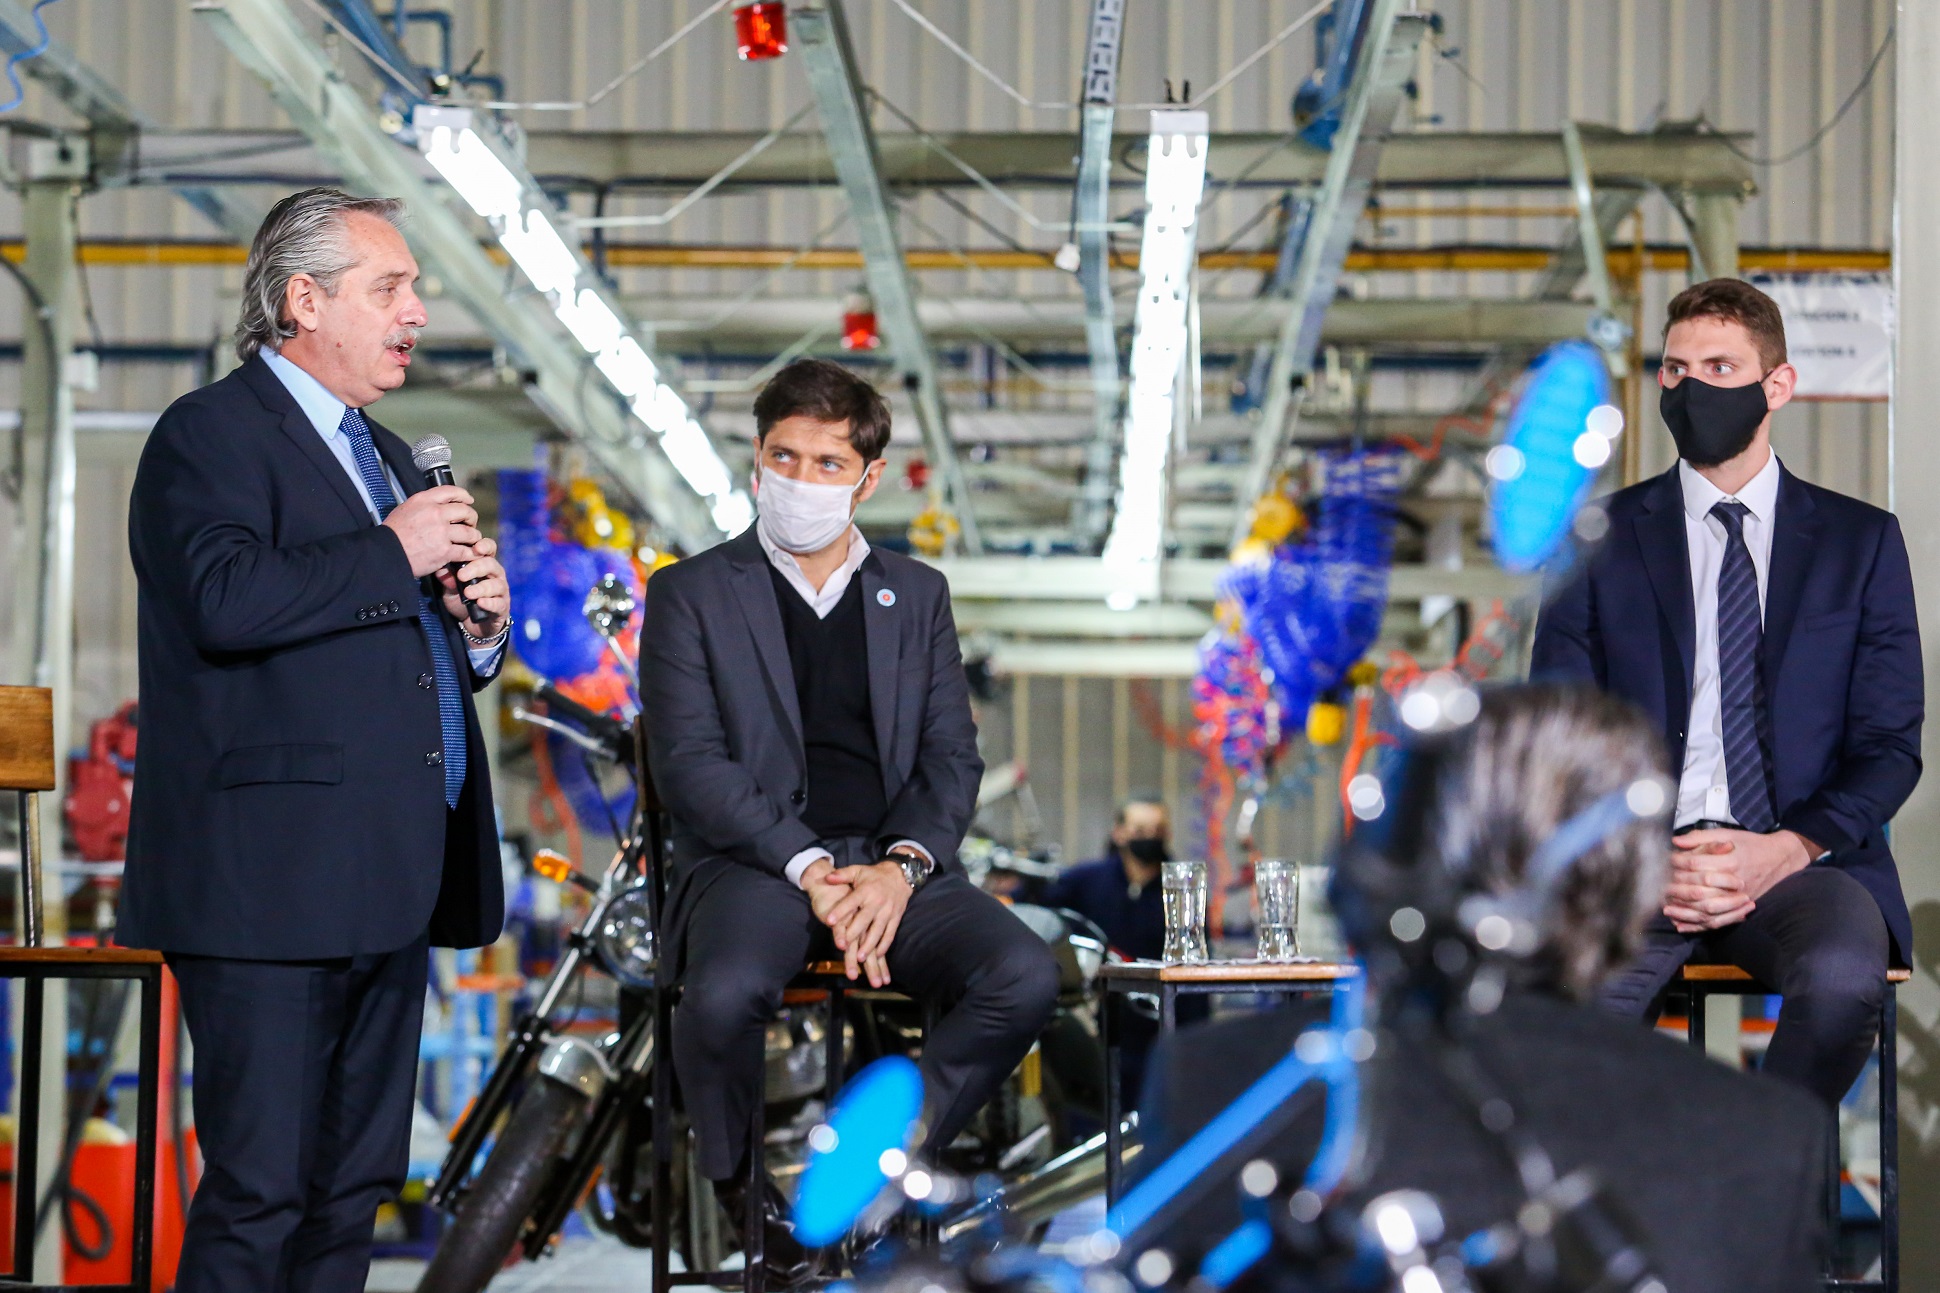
(613, 735)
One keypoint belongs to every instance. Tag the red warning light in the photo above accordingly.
(761, 30)
(859, 323)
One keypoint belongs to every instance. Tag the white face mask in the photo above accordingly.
(801, 517)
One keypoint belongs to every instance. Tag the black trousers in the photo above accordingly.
(1818, 939)
(751, 932)
(304, 1086)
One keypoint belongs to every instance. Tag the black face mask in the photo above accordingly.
(1712, 424)
(1151, 852)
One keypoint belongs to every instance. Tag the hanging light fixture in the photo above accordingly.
(451, 141)
(761, 30)
(1175, 180)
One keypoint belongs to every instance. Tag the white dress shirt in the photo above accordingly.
(822, 600)
(1703, 792)
(326, 414)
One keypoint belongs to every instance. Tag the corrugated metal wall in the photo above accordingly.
(1777, 68)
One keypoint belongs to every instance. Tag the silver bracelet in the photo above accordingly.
(496, 639)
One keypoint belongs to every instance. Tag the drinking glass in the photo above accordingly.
(1276, 902)
(1184, 887)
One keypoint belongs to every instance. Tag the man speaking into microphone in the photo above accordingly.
(312, 809)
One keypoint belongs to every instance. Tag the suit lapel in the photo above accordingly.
(754, 589)
(1795, 528)
(302, 432)
(1667, 559)
(881, 618)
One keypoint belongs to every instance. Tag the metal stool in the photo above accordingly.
(1702, 981)
(27, 767)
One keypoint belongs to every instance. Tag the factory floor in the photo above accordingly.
(586, 1264)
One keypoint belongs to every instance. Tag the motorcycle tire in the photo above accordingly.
(486, 1228)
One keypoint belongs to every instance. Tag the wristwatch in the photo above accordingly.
(916, 868)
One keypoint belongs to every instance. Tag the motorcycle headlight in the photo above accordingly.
(625, 939)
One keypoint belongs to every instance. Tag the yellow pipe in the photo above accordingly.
(132, 253)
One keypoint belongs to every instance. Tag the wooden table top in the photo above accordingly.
(1146, 972)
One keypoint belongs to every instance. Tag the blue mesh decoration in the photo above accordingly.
(1314, 607)
(1540, 480)
(549, 580)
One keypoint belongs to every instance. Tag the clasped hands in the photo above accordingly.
(862, 906)
(1718, 876)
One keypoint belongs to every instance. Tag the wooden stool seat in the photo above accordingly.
(79, 956)
(1732, 974)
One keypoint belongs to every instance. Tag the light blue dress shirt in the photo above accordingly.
(326, 414)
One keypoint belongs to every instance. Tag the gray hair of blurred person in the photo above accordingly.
(305, 233)
(1534, 757)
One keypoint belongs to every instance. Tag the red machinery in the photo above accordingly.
(99, 786)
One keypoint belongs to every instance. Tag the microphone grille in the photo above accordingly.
(432, 451)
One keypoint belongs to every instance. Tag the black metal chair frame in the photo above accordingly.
(1700, 988)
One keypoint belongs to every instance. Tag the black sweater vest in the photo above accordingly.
(830, 657)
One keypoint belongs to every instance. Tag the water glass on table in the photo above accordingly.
(1183, 885)
(1276, 903)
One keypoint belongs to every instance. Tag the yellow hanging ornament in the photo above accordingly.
(1326, 722)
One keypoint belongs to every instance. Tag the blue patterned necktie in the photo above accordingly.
(451, 708)
(1741, 682)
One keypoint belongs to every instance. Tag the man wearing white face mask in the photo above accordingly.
(809, 729)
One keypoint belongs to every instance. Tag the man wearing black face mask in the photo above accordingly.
(1768, 626)
(1120, 894)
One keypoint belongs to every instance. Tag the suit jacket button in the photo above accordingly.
(434, 759)
(363, 614)
(393, 608)
(424, 681)
(798, 797)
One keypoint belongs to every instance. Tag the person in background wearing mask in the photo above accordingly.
(1120, 894)
(809, 729)
(1767, 627)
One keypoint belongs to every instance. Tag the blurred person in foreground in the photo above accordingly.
(312, 807)
(1722, 1173)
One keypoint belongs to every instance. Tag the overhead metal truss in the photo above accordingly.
(114, 125)
(822, 37)
(1698, 162)
(1381, 70)
(267, 40)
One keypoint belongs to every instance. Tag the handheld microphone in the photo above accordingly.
(432, 456)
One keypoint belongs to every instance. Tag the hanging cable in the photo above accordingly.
(1059, 105)
(1818, 136)
(19, 92)
(593, 99)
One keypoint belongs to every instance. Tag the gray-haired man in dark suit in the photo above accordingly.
(810, 731)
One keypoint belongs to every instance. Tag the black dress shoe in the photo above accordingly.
(783, 1256)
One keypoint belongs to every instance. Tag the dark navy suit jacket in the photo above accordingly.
(285, 807)
(1841, 658)
(1099, 891)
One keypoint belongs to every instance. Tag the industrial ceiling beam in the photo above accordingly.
(114, 122)
(1090, 210)
(775, 321)
(654, 161)
(1382, 65)
(267, 40)
(1191, 579)
(823, 41)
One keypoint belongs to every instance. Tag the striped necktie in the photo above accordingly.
(1741, 682)
(451, 708)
